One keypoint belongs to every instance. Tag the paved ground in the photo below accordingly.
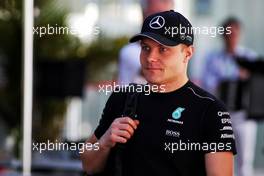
(257, 173)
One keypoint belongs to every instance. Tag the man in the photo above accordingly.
(129, 66)
(181, 129)
(222, 66)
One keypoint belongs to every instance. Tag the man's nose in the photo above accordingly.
(152, 57)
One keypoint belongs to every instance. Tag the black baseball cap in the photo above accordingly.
(168, 28)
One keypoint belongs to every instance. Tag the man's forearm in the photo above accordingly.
(94, 161)
(119, 131)
(219, 164)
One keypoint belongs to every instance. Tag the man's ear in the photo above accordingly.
(188, 53)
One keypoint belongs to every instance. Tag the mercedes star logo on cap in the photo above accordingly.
(157, 22)
(160, 28)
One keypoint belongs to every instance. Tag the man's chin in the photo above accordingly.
(153, 81)
(153, 78)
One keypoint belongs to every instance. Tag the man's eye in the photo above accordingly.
(145, 48)
(163, 49)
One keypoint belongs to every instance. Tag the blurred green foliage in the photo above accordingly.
(100, 55)
(58, 47)
(11, 48)
(48, 113)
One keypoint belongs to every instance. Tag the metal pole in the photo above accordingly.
(28, 85)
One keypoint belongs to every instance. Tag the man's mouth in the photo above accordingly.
(153, 68)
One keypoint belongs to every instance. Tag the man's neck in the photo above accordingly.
(172, 85)
(230, 49)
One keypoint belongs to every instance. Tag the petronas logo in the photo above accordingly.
(177, 113)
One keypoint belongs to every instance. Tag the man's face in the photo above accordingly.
(161, 64)
(233, 38)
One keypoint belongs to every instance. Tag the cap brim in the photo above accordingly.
(157, 38)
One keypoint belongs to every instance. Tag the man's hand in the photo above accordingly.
(120, 131)
(244, 74)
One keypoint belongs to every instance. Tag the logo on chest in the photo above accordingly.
(176, 115)
(172, 133)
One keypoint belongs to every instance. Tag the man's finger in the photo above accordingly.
(126, 127)
(120, 139)
(137, 122)
(129, 121)
(123, 133)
